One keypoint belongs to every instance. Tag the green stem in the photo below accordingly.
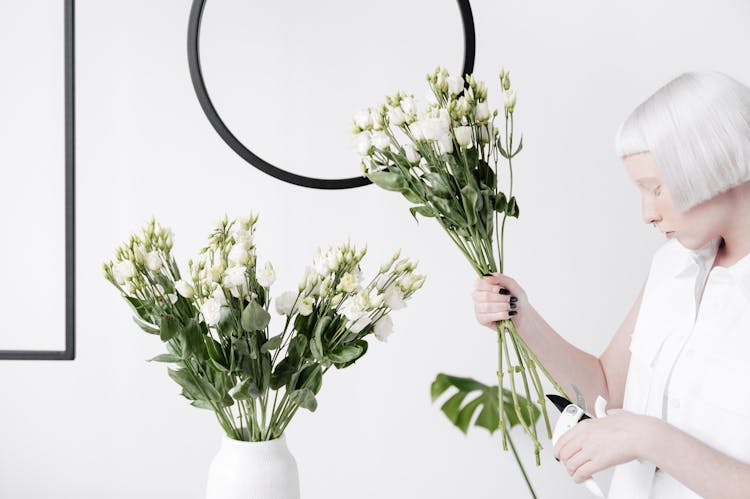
(523, 471)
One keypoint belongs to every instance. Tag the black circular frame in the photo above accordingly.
(196, 75)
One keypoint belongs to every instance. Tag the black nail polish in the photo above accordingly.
(504, 291)
(513, 299)
(512, 305)
(512, 312)
(557, 460)
(487, 275)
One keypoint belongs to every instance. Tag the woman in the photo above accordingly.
(679, 364)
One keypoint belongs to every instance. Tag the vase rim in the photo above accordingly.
(280, 440)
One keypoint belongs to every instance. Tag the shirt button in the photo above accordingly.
(674, 403)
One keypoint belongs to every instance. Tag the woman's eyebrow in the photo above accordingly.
(647, 180)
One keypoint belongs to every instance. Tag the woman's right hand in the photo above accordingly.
(497, 297)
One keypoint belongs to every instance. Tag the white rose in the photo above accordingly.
(244, 237)
(123, 271)
(383, 328)
(218, 296)
(184, 288)
(363, 143)
(408, 106)
(211, 310)
(239, 255)
(396, 116)
(433, 128)
(139, 254)
(305, 305)
(153, 261)
(394, 298)
(266, 277)
(381, 140)
(348, 283)
(285, 302)
(411, 153)
(463, 135)
(363, 119)
(445, 144)
(455, 84)
(213, 274)
(236, 281)
(483, 111)
(417, 130)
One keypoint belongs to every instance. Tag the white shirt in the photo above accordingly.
(689, 363)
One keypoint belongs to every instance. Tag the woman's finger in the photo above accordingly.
(487, 296)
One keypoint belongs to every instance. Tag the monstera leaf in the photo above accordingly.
(471, 396)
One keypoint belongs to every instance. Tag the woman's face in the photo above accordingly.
(695, 227)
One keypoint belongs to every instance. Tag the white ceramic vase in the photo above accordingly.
(253, 470)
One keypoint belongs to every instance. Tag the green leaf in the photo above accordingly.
(411, 196)
(388, 180)
(202, 404)
(138, 307)
(254, 317)
(345, 353)
(316, 342)
(145, 326)
(460, 408)
(304, 398)
(425, 211)
(362, 343)
(282, 374)
(168, 327)
(512, 209)
(245, 390)
(469, 199)
(311, 377)
(194, 339)
(297, 347)
(500, 202)
(216, 354)
(272, 344)
(520, 146)
(165, 357)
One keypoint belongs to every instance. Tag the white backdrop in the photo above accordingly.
(111, 425)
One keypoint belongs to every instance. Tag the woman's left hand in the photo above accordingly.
(600, 443)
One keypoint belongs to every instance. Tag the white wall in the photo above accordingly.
(110, 425)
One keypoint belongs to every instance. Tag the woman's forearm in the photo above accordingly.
(703, 469)
(567, 364)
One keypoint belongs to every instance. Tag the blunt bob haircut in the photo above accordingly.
(697, 128)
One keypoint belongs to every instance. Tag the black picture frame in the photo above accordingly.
(69, 352)
(199, 85)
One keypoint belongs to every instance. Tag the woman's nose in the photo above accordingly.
(649, 212)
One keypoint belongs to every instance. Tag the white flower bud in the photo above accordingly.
(455, 84)
(305, 305)
(184, 288)
(239, 255)
(483, 111)
(412, 156)
(363, 143)
(363, 119)
(381, 140)
(463, 135)
(266, 277)
(510, 99)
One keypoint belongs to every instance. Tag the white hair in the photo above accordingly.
(697, 128)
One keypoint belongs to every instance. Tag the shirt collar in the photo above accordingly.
(683, 260)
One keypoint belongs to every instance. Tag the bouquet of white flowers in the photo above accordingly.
(444, 160)
(215, 321)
